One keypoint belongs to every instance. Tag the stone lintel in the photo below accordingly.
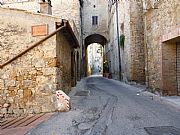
(171, 35)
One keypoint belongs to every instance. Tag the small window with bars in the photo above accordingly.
(94, 20)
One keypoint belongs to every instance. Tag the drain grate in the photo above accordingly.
(82, 93)
(162, 130)
(19, 122)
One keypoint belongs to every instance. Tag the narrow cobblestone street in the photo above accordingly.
(102, 106)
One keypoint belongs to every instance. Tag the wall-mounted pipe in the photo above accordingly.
(119, 51)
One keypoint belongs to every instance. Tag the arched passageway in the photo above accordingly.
(94, 59)
(94, 49)
(95, 38)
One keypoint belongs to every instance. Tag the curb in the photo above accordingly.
(162, 99)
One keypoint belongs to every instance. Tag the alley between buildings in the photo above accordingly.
(103, 106)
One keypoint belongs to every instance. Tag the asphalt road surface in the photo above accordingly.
(102, 106)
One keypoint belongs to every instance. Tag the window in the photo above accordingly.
(94, 20)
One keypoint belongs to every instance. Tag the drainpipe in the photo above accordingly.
(82, 43)
(146, 49)
(119, 51)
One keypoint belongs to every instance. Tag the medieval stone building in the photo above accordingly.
(162, 37)
(94, 26)
(38, 56)
(150, 52)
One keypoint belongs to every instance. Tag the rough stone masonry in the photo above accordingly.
(29, 83)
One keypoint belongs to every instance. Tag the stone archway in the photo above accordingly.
(94, 38)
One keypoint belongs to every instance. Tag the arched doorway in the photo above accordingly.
(94, 54)
(94, 59)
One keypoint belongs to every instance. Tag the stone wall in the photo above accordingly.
(112, 46)
(137, 68)
(130, 24)
(32, 5)
(95, 8)
(124, 28)
(160, 19)
(28, 84)
(16, 33)
(169, 69)
(64, 72)
(66, 9)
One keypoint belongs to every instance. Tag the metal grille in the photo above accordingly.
(162, 130)
(19, 122)
(82, 93)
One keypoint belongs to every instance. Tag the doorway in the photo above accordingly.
(178, 67)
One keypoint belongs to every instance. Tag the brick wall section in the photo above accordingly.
(178, 67)
(169, 69)
(28, 84)
(137, 42)
(159, 21)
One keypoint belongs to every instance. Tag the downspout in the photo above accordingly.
(119, 51)
(82, 43)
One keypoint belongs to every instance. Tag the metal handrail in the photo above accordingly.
(34, 45)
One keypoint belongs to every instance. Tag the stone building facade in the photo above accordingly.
(94, 14)
(151, 50)
(30, 76)
(65, 9)
(150, 54)
(162, 37)
(125, 19)
(94, 8)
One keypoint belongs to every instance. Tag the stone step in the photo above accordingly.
(20, 122)
(9, 123)
(29, 121)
